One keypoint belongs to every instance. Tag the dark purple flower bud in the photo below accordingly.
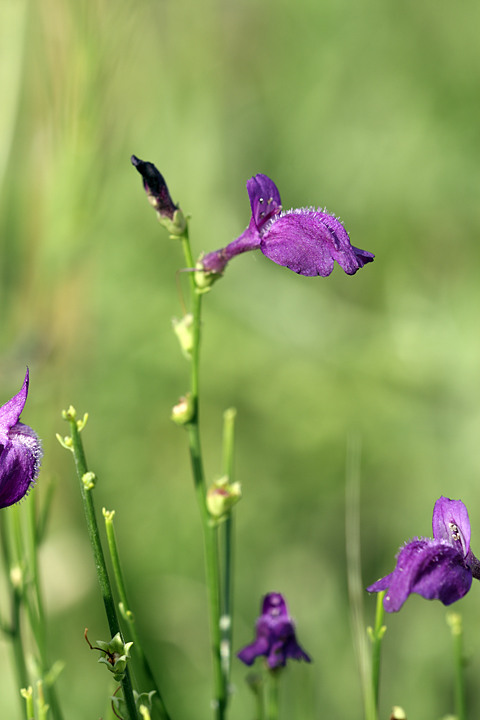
(158, 196)
(275, 635)
(441, 568)
(306, 240)
(20, 451)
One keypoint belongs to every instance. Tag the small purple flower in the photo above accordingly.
(20, 451)
(441, 568)
(275, 635)
(306, 240)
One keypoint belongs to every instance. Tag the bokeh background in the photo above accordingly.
(369, 108)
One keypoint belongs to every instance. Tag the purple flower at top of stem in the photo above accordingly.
(441, 568)
(306, 240)
(275, 635)
(20, 451)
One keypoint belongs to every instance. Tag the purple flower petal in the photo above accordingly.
(264, 199)
(380, 585)
(444, 575)
(20, 451)
(294, 651)
(363, 256)
(19, 464)
(274, 605)
(11, 411)
(451, 524)
(249, 653)
(277, 657)
(308, 242)
(301, 242)
(431, 569)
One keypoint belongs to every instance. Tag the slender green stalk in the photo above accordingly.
(36, 608)
(273, 694)
(260, 701)
(17, 643)
(210, 537)
(27, 694)
(256, 683)
(377, 635)
(227, 552)
(356, 589)
(454, 620)
(100, 565)
(14, 582)
(128, 615)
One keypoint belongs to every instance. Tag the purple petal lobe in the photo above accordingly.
(363, 256)
(11, 411)
(451, 524)
(301, 242)
(251, 652)
(294, 651)
(20, 461)
(410, 558)
(264, 199)
(380, 585)
(444, 575)
(308, 242)
(20, 450)
(274, 605)
(432, 569)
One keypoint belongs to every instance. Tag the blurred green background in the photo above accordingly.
(369, 108)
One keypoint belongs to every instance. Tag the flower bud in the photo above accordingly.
(205, 277)
(183, 329)
(115, 655)
(142, 700)
(222, 496)
(169, 214)
(183, 412)
(89, 479)
(398, 713)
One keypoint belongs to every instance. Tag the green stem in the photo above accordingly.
(210, 537)
(128, 615)
(14, 631)
(100, 565)
(377, 636)
(273, 694)
(455, 622)
(227, 606)
(17, 644)
(36, 609)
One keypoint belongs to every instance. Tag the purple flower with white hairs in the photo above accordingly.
(306, 240)
(441, 568)
(275, 635)
(20, 451)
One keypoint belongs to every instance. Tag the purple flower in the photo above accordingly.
(441, 568)
(305, 240)
(275, 635)
(20, 451)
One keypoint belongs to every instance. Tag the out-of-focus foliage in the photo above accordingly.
(368, 108)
